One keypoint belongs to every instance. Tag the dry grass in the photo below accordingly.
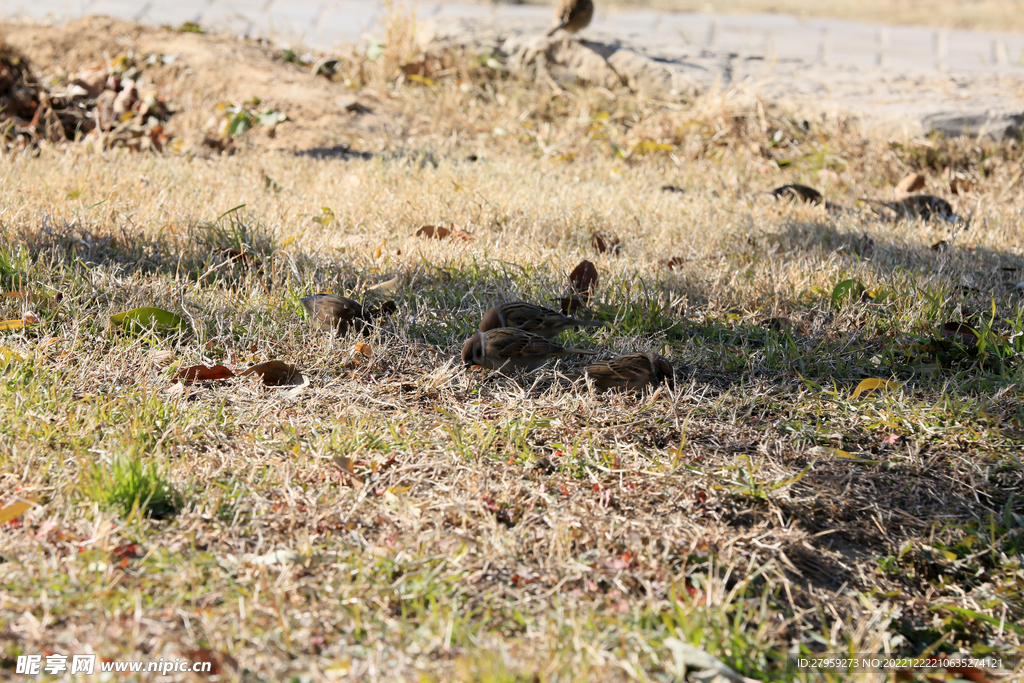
(991, 15)
(515, 528)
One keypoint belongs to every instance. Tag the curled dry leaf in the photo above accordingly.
(674, 262)
(203, 373)
(31, 318)
(583, 279)
(797, 192)
(388, 287)
(912, 183)
(364, 349)
(606, 243)
(276, 373)
(582, 283)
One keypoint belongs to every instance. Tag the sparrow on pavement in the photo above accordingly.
(330, 312)
(573, 15)
(632, 372)
(511, 349)
(537, 319)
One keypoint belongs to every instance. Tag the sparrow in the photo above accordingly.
(630, 373)
(923, 206)
(537, 319)
(330, 312)
(573, 15)
(511, 349)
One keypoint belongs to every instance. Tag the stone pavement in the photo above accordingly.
(909, 78)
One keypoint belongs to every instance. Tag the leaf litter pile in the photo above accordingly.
(236, 428)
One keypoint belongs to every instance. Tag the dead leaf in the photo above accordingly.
(583, 279)
(960, 185)
(674, 262)
(276, 373)
(11, 325)
(379, 250)
(16, 508)
(462, 234)
(436, 232)
(797, 192)
(439, 232)
(606, 243)
(31, 318)
(912, 183)
(387, 287)
(344, 463)
(364, 349)
(37, 299)
(202, 373)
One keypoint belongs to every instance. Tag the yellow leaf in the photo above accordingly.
(11, 325)
(364, 349)
(398, 489)
(871, 384)
(288, 240)
(8, 355)
(380, 249)
(16, 509)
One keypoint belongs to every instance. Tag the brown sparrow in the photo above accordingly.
(573, 15)
(632, 372)
(330, 312)
(536, 319)
(511, 349)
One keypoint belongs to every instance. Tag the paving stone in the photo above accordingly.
(911, 77)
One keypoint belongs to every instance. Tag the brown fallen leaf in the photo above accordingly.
(439, 232)
(797, 192)
(31, 318)
(960, 185)
(275, 373)
(203, 373)
(379, 250)
(38, 299)
(606, 243)
(583, 279)
(364, 349)
(910, 184)
(674, 262)
(436, 232)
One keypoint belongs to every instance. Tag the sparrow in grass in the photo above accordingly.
(537, 319)
(573, 15)
(509, 349)
(631, 372)
(330, 312)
